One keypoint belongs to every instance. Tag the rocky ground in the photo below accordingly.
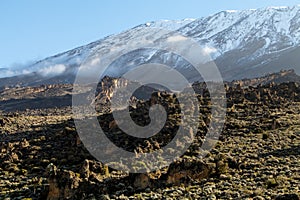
(257, 156)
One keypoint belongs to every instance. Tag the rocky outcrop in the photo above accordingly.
(283, 76)
(257, 155)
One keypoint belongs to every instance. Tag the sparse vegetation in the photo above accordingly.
(42, 156)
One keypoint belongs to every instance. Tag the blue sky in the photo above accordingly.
(34, 29)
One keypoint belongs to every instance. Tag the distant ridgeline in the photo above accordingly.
(272, 88)
(279, 77)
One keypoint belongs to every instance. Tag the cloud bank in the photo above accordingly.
(43, 70)
(53, 70)
(4, 72)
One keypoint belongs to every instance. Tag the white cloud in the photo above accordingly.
(176, 38)
(16, 69)
(42, 69)
(52, 70)
(6, 73)
(209, 50)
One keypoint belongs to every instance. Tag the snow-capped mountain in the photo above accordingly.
(228, 30)
(243, 44)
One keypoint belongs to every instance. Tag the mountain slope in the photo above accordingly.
(243, 44)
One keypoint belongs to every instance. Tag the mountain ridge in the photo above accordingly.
(250, 42)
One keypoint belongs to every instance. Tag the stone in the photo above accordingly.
(287, 197)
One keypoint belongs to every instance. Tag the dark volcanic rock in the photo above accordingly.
(257, 155)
